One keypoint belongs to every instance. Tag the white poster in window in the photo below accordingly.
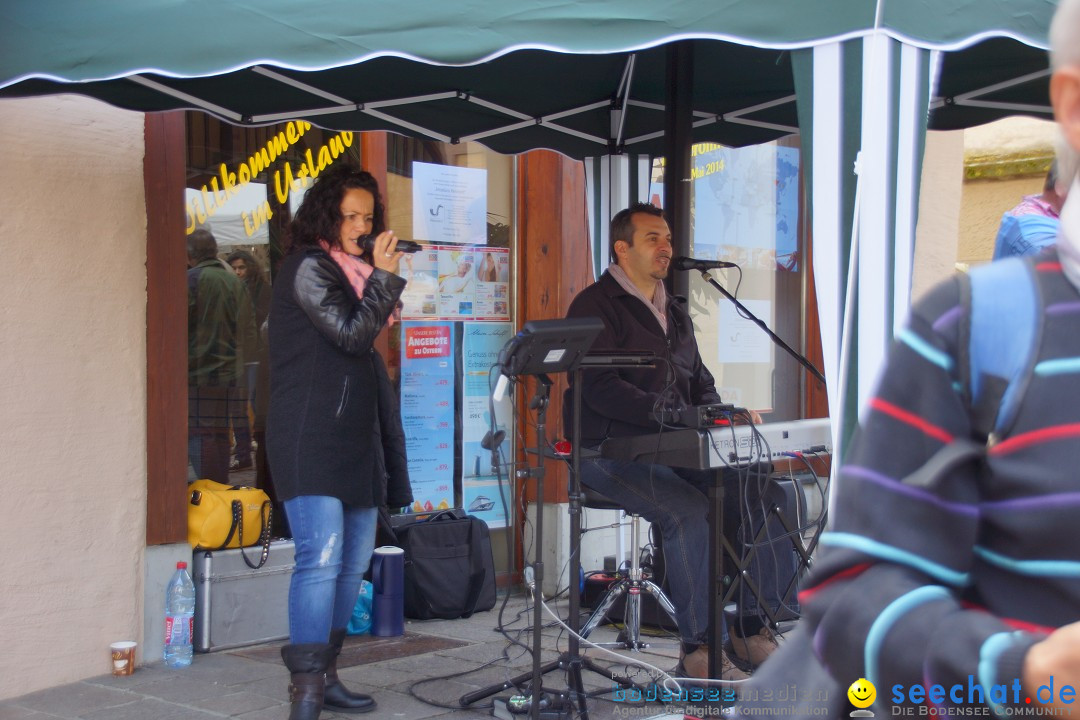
(741, 340)
(449, 204)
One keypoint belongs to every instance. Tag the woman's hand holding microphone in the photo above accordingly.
(384, 252)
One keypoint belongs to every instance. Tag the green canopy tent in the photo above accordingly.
(864, 108)
(585, 79)
(594, 78)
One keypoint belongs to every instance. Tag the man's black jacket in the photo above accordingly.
(620, 402)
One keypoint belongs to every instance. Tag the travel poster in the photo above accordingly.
(452, 282)
(421, 273)
(746, 205)
(492, 283)
(481, 344)
(427, 411)
(457, 283)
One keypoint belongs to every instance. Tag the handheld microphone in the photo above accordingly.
(367, 242)
(688, 263)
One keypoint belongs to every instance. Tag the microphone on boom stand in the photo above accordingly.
(689, 263)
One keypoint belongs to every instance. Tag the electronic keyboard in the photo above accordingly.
(724, 446)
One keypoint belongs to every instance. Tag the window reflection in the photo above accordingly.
(242, 186)
(746, 210)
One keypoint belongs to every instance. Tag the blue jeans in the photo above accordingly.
(334, 543)
(676, 499)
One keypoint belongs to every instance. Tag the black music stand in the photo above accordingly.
(542, 347)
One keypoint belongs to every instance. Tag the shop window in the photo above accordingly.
(457, 201)
(242, 185)
(745, 209)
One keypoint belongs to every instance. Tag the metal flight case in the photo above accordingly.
(236, 605)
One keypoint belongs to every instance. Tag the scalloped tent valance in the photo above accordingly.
(584, 78)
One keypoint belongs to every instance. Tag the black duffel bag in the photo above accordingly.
(449, 570)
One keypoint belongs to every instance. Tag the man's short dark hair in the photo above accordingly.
(201, 245)
(622, 225)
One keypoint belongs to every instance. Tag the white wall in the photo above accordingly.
(959, 217)
(939, 210)
(72, 388)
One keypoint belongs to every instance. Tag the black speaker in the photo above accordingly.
(786, 498)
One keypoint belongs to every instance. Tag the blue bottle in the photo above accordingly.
(179, 617)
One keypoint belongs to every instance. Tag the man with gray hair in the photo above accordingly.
(950, 583)
(1065, 96)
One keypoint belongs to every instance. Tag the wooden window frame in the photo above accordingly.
(164, 168)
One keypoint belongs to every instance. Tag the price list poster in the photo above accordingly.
(427, 412)
(483, 496)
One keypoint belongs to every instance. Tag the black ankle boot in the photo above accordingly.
(307, 664)
(336, 695)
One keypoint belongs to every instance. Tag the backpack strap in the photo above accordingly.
(1004, 330)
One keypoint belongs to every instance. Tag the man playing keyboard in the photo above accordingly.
(638, 314)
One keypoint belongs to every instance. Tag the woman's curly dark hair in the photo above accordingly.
(319, 215)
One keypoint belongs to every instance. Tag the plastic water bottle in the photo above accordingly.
(179, 617)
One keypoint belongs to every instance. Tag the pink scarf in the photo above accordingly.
(356, 270)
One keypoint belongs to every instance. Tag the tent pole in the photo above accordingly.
(678, 124)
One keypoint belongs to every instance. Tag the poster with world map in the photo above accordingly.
(747, 206)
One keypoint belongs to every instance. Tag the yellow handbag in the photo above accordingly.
(223, 516)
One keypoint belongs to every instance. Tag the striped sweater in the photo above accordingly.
(931, 577)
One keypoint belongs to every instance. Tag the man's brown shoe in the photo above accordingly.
(696, 665)
(756, 648)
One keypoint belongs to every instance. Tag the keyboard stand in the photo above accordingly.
(738, 565)
(716, 552)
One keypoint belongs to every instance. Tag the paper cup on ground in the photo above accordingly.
(123, 657)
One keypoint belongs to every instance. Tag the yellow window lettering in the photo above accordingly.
(195, 216)
(208, 202)
(257, 219)
(228, 181)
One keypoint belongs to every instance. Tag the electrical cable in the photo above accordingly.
(669, 681)
(499, 459)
